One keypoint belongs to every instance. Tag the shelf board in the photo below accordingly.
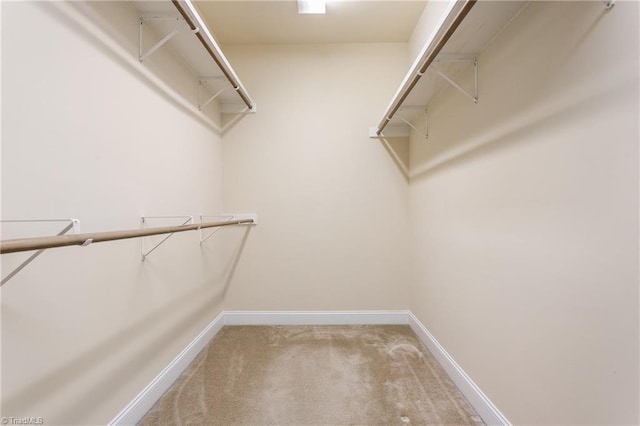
(476, 32)
(187, 48)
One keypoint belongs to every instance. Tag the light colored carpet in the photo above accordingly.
(313, 375)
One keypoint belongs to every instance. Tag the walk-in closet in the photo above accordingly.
(307, 212)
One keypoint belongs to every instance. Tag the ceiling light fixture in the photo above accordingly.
(312, 6)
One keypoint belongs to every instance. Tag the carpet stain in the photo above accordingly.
(313, 375)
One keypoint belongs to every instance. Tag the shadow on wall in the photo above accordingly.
(514, 101)
(398, 149)
(232, 261)
(202, 301)
(515, 131)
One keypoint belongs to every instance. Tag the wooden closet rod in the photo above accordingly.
(449, 25)
(39, 243)
(190, 15)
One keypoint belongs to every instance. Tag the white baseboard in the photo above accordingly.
(315, 317)
(478, 400)
(142, 403)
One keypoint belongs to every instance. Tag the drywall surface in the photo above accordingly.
(88, 133)
(431, 15)
(331, 202)
(524, 214)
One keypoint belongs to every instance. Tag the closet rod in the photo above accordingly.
(455, 16)
(38, 243)
(191, 16)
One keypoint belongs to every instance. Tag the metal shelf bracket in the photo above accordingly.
(395, 131)
(202, 238)
(143, 221)
(142, 55)
(201, 82)
(459, 58)
(228, 217)
(424, 133)
(74, 224)
(237, 115)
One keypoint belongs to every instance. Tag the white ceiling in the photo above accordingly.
(278, 22)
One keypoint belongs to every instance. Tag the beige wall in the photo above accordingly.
(332, 204)
(88, 133)
(524, 214)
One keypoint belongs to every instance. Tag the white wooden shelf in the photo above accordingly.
(162, 24)
(467, 38)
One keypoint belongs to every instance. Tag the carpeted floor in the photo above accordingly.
(313, 375)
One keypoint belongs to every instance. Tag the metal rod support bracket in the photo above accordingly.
(201, 104)
(142, 55)
(459, 58)
(74, 224)
(227, 217)
(398, 131)
(237, 115)
(202, 237)
(143, 220)
(424, 133)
